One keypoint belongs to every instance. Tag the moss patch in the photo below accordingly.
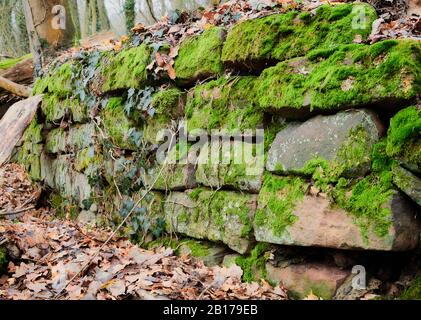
(9, 63)
(403, 139)
(277, 200)
(200, 57)
(118, 127)
(352, 75)
(58, 81)
(3, 258)
(223, 104)
(126, 69)
(293, 34)
(254, 265)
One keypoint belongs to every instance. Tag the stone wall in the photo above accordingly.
(337, 172)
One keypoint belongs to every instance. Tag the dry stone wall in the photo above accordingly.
(336, 172)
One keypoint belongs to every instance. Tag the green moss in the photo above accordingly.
(56, 141)
(168, 105)
(367, 201)
(58, 81)
(118, 126)
(413, 292)
(33, 132)
(352, 75)
(126, 69)
(200, 57)
(403, 139)
(293, 34)
(167, 101)
(194, 195)
(223, 104)
(198, 248)
(254, 265)
(29, 156)
(277, 200)
(9, 63)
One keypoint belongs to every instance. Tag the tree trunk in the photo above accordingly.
(45, 33)
(103, 17)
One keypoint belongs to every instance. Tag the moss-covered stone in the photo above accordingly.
(58, 81)
(277, 200)
(169, 106)
(340, 144)
(223, 104)
(351, 76)
(227, 164)
(409, 183)
(56, 141)
(118, 127)
(254, 265)
(200, 57)
(404, 138)
(216, 216)
(284, 36)
(124, 70)
(29, 156)
(55, 109)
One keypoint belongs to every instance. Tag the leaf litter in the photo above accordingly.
(53, 251)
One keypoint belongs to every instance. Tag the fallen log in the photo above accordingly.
(14, 123)
(15, 88)
(22, 72)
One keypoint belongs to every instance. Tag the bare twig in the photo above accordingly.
(11, 213)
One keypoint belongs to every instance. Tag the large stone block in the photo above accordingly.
(224, 104)
(343, 141)
(227, 164)
(216, 216)
(123, 70)
(289, 213)
(199, 58)
(253, 44)
(384, 75)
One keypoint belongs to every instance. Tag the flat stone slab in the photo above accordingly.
(343, 140)
(316, 222)
(221, 216)
(232, 168)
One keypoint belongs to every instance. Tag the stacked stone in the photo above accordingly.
(334, 176)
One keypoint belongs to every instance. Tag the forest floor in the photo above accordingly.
(56, 259)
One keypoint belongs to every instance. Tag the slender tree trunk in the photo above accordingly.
(103, 17)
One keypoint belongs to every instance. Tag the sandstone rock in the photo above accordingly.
(408, 183)
(216, 216)
(288, 216)
(344, 141)
(224, 164)
(301, 280)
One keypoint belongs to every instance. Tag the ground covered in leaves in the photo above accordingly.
(55, 259)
